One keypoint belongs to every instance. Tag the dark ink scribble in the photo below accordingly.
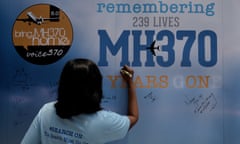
(107, 99)
(202, 103)
(150, 97)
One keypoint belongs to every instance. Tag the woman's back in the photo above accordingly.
(97, 128)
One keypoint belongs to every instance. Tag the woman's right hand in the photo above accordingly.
(127, 73)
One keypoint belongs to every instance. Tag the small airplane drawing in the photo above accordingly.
(152, 48)
(37, 20)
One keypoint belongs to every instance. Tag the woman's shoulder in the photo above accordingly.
(47, 107)
(107, 115)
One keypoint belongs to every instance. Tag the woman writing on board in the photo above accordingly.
(77, 117)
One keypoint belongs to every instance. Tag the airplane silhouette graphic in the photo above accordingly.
(152, 48)
(37, 20)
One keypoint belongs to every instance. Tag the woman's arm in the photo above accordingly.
(128, 73)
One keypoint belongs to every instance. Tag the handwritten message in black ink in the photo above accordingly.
(202, 103)
(22, 79)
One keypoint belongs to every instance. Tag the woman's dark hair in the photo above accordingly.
(80, 89)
